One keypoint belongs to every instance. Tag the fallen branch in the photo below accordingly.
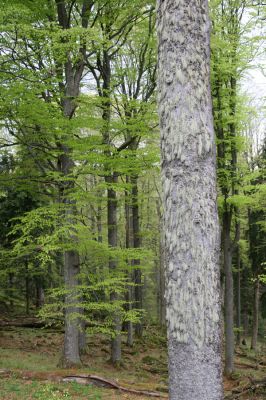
(102, 382)
(256, 385)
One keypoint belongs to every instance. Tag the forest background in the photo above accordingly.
(81, 228)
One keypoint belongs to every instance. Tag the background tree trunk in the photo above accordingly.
(189, 186)
(112, 241)
(238, 302)
(136, 245)
(228, 295)
(255, 324)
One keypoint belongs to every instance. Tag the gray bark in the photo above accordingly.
(189, 188)
(71, 337)
(70, 89)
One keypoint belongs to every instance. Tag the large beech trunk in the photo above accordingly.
(190, 211)
(70, 89)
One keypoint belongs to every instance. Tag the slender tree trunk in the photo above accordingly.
(39, 292)
(228, 296)
(112, 241)
(27, 288)
(245, 322)
(11, 276)
(255, 325)
(136, 245)
(161, 269)
(245, 301)
(190, 216)
(99, 224)
(162, 284)
(128, 295)
(238, 305)
(71, 356)
(130, 331)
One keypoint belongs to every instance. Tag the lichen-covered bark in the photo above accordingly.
(190, 215)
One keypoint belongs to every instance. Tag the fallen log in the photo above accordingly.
(102, 382)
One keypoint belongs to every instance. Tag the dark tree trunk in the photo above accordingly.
(112, 241)
(162, 284)
(39, 293)
(128, 295)
(229, 295)
(99, 224)
(238, 303)
(255, 324)
(27, 288)
(136, 245)
(11, 276)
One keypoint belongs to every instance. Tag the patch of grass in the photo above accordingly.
(15, 389)
(18, 359)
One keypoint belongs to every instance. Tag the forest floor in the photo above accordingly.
(29, 357)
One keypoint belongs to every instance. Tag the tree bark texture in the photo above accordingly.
(189, 188)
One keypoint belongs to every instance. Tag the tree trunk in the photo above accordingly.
(190, 211)
(39, 292)
(70, 89)
(128, 295)
(27, 288)
(255, 325)
(228, 295)
(71, 337)
(11, 276)
(238, 314)
(82, 334)
(136, 245)
(112, 241)
(162, 285)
